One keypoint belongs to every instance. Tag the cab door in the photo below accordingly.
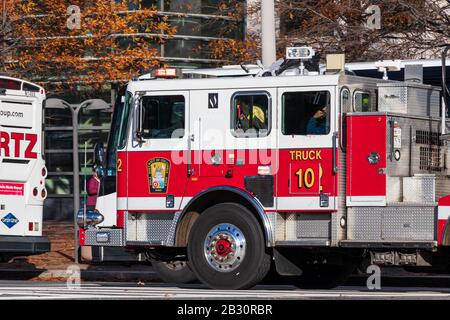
(307, 149)
(157, 162)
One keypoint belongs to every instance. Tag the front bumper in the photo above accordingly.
(104, 237)
(115, 254)
(24, 245)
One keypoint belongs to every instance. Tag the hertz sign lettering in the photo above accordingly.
(18, 145)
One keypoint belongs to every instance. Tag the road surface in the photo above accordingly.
(102, 290)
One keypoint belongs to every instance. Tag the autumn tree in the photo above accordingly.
(230, 43)
(363, 29)
(66, 42)
(367, 30)
(233, 49)
(7, 41)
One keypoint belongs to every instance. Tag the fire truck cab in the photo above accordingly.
(311, 174)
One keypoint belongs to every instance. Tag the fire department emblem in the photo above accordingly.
(158, 175)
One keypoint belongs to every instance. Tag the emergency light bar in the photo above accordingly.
(166, 73)
(303, 53)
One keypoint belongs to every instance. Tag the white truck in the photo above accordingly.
(22, 168)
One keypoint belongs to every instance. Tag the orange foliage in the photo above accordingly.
(112, 44)
(227, 49)
(235, 51)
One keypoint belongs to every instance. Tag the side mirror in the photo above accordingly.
(99, 171)
(99, 154)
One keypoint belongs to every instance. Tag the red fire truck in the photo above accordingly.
(310, 174)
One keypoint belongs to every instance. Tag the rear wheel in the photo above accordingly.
(323, 276)
(174, 271)
(226, 248)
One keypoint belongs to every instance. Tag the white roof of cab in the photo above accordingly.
(243, 83)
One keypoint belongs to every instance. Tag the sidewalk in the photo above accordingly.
(52, 266)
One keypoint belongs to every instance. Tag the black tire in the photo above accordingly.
(323, 276)
(176, 272)
(255, 262)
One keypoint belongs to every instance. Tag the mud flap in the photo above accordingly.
(284, 265)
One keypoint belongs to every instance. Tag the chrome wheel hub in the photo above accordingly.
(224, 247)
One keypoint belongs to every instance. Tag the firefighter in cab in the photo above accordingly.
(318, 122)
(251, 117)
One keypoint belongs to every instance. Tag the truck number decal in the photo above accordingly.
(307, 178)
(119, 165)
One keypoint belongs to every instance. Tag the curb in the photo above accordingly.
(435, 281)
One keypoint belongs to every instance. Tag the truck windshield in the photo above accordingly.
(117, 136)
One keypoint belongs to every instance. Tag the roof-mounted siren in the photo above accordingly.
(300, 53)
(388, 65)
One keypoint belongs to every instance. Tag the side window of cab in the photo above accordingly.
(250, 114)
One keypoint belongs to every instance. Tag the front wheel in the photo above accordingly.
(226, 248)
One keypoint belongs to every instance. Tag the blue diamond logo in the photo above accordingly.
(10, 220)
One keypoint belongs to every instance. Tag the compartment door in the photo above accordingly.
(366, 163)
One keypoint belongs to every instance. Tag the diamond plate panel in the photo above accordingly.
(153, 227)
(363, 223)
(409, 98)
(290, 226)
(392, 99)
(130, 226)
(280, 232)
(408, 223)
(313, 225)
(115, 237)
(150, 227)
(415, 223)
(420, 188)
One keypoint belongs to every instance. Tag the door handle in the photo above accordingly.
(373, 158)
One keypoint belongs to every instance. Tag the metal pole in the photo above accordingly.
(76, 174)
(445, 92)
(268, 39)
